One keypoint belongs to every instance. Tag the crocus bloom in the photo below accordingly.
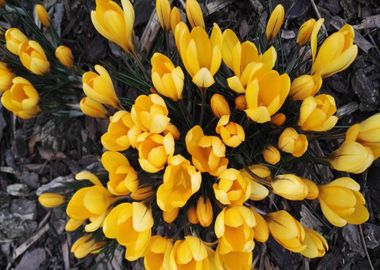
(258, 191)
(200, 54)
(181, 180)
(341, 202)
(21, 99)
(192, 215)
(159, 248)
(85, 245)
(316, 244)
(231, 133)
(233, 260)
(278, 119)
(286, 230)
(208, 152)
(167, 17)
(13, 38)
(167, 79)
(51, 200)
(275, 22)
(313, 190)
(65, 56)
(290, 186)
(261, 230)
(266, 95)
(304, 33)
(271, 154)
(170, 216)
(194, 13)
(240, 103)
(351, 157)
(6, 77)
(317, 113)
(204, 210)
(92, 108)
(305, 86)
(219, 105)
(293, 143)
(175, 18)
(42, 15)
(115, 23)
(33, 57)
(131, 225)
(122, 177)
(98, 86)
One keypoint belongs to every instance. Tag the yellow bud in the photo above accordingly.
(194, 13)
(51, 200)
(305, 86)
(142, 193)
(175, 18)
(169, 217)
(275, 22)
(278, 119)
(192, 215)
(163, 13)
(65, 56)
(304, 33)
(271, 154)
(204, 212)
(219, 105)
(316, 244)
(313, 190)
(6, 77)
(42, 15)
(293, 143)
(86, 245)
(73, 224)
(14, 37)
(290, 186)
(240, 103)
(92, 108)
(33, 57)
(261, 229)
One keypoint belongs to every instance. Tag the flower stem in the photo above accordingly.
(203, 106)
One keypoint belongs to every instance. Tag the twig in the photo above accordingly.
(365, 247)
(318, 15)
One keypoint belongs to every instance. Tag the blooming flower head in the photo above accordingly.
(159, 248)
(33, 57)
(6, 77)
(231, 133)
(13, 39)
(293, 143)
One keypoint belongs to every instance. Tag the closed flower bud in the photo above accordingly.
(286, 230)
(278, 119)
(51, 200)
(316, 244)
(175, 18)
(142, 193)
(6, 77)
(163, 13)
(313, 190)
(219, 105)
(115, 23)
(240, 103)
(192, 215)
(271, 155)
(204, 212)
(92, 108)
(231, 133)
(341, 202)
(33, 57)
(317, 113)
(159, 248)
(42, 15)
(258, 191)
(85, 245)
(304, 33)
(169, 217)
(13, 38)
(65, 56)
(290, 186)
(98, 86)
(305, 86)
(293, 143)
(194, 13)
(261, 229)
(167, 79)
(275, 22)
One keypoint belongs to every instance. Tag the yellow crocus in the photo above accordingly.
(194, 13)
(231, 133)
(204, 211)
(219, 105)
(170, 216)
(233, 260)
(159, 248)
(85, 245)
(6, 77)
(142, 193)
(65, 56)
(341, 202)
(175, 18)
(115, 23)
(316, 244)
(304, 33)
(286, 230)
(275, 22)
(122, 177)
(131, 225)
(240, 103)
(22, 99)
(192, 215)
(271, 154)
(266, 95)
(51, 200)
(167, 79)
(98, 86)
(293, 143)
(258, 191)
(92, 108)
(290, 186)
(336, 53)
(33, 57)
(13, 38)
(278, 119)
(200, 54)
(313, 190)
(305, 86)
(42, 15)
(167, 17)
(261, 229)
(208, 152)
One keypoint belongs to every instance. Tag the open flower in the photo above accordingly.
(258, 191)
(194, 13)
(65, 56)
(6, 77)
(231, 133)
(159, 248)
(92, 108)
(316, 244)
(290, 186)
(85, 245)
(304, 33)
(13, 38)
(342, 203)
(33, 57)
(275, 22)
(293, 143)
(305, 86)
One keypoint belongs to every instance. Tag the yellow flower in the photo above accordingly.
(90, 203)
(304, 33)
(342, 203)
(278, 119)
(275, 22)
(122, 177)
(92, 108)
(336, 53)
(175, 18)
(258, 191)
(200, 54)
(317, 113)
(231, 133)
(271, 154)
(219, 105)
(367, 133)
(154, 151)
(65, 56)
(234, 229)
(115, 23)
(232, 188)
(51, 200)
(159, 248)
(266, 95)
(13, 38)
(286, 230)
(21, 99)
(85, 245)
(180, 181)
(42, 15)
(150, 113)
(142, 193)
(313, 190)
(33, 57)
(167, 79)
(240, 103)
(305, 86)
(351, 157)
(167, 17)
(290, 186)
(205, 213)
(169, 217)
(233, 260)
(192, 215)
(261, 229)
(208, 152)
(314, 38)
(293, 143)
(131, 225)
(316, 244)
(6, 77)
(99, 87)
(194, 13)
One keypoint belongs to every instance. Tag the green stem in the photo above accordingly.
(203, 106)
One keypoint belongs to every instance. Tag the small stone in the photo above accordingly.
(20, 190)
(30, 179)
(32, 260)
